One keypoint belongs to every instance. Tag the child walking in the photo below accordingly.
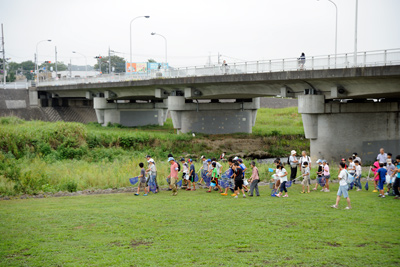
(192, 175)
(327, 175)
(283, 178)
(214, 178)
(306, 178)
(238, 180)
(358, 175)
(319, 175)
(343, 187)
(142, 183)
(381, 176)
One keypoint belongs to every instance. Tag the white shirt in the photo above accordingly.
(291, 160)
(185, 167)
(218, 166)
(304, 159)
(153, 170)
(280, 173)
(343, 177)
(358, 170)
(382, 157)
(352, 167)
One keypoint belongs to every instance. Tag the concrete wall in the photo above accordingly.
(18, 102)
(337, 129)
(342, 134)
(273, 102)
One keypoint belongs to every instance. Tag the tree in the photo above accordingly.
(150, 60)
(60, 66)
(118, 63)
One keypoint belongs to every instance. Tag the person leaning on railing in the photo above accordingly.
(301, 61)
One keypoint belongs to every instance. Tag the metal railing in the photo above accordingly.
(16, 85)
(364, 59)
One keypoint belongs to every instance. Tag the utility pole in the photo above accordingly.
(218, 58)
(4, 55)
(70, 68)
(56, 62)
(109, 60)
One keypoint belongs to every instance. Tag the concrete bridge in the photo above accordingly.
(344, 109)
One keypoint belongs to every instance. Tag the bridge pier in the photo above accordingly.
(130, 114)
(213, 118)
(338, 129)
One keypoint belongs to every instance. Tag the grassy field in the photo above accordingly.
(200, 229)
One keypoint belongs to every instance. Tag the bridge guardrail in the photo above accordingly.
(363, 59)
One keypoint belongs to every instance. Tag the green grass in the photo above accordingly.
(286, 121)
(200, 229)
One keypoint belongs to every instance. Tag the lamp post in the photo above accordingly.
(355, 37)
(166, 53)
(85, 61)
(130, 37)
(335, 29)
(37, 59)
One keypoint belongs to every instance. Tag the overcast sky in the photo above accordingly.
(239, 30)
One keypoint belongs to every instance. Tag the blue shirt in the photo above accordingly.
(243, 167)
(398, 167)
(192, 169)
(382, 174)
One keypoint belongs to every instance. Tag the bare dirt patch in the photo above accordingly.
(136, 243)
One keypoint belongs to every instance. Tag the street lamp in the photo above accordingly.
(37, 59)
(85, 61)
(355, 37)
(335, 29)
(130, 36)
(166, 54)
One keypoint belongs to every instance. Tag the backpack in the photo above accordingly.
(350, 178)
(288, 160)
(179, 166)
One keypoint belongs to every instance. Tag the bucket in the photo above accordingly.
(271, 185)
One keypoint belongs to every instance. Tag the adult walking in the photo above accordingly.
(382, 156)
(293, 165)
(173, 176)
(254, 179)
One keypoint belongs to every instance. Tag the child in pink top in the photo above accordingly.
(375, 169)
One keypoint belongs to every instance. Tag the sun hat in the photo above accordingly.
(240, 160)
(319, 161)
(293, 152)
(343, 159)
(148, 156)
(182, 159)
(208, 160)
(170, 158)
(388, 161)
(202, 157)
(324, 161)
(151, 160)
(235, 158)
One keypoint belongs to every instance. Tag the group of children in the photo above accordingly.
(384, 173)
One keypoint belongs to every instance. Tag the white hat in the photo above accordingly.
(235, 158)
(151, 160)
(292, 152)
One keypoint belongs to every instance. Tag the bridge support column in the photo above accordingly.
(337, 129)
(214, 117)
(130, 114)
